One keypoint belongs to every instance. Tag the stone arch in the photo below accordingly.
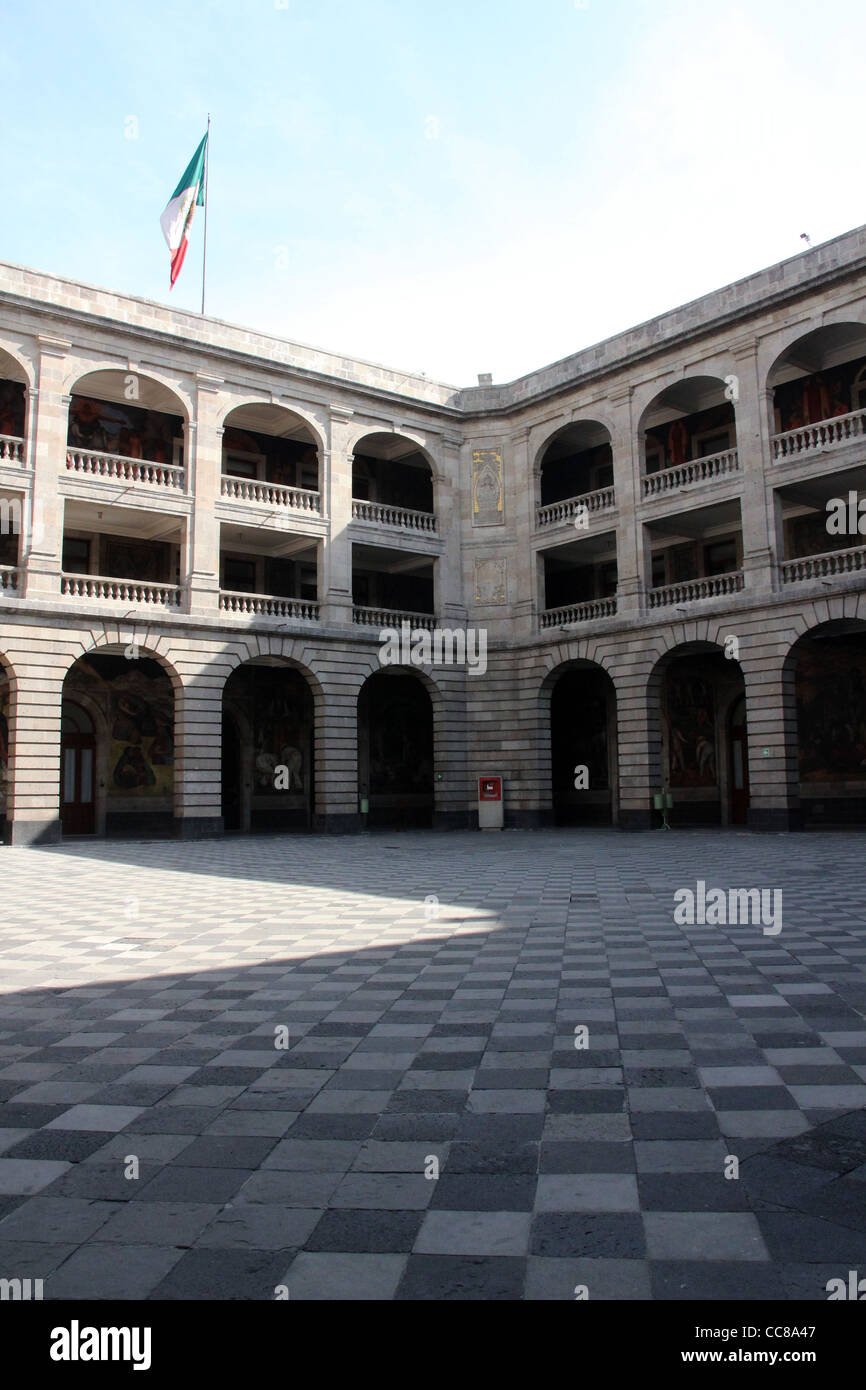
(133, 695)
(811, 373)
(590, 742)
(574, 458)
(686, 419)
(824, 715)
(399, 789)
(395, 465)
(687, 726)
(273, 443)
(261, 807)
(160, 393)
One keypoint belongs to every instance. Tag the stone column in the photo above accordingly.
(631, 562)
(450, 600)
(204, 474)
(638, 739)
(771, 722)
(33, 812)
(753, 447)
(198, 749)
(336, 751)
(335, 594)
(43, 540)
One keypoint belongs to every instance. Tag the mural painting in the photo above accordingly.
(137, 703)
(691, 732)
(127, 430)
(831, 709)
(4, 745)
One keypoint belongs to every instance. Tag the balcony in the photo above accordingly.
(115, 468)
(12, 450)
(98, 588)
(603, 499)
(391, 618)
(289, 499)
(10, 580)
(824, 434)
(694, 590)
(579, 613)
(833, 562)
(700, 470)
(268, 606)
(381, 514)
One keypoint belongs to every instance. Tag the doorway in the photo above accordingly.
(77, 759)
(739, 764)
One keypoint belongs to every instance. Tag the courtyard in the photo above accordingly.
(420, 1066)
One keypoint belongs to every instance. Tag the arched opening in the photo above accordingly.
(583, 746)
(577, 460)
(390, 470)
(5, 749)
(268, 760)
(117, 747)
(13, 410)
(687, 421)
(827, 666)
(820, 378)
(126, 415)
(270, 444)
(698, 733)
(395, 750)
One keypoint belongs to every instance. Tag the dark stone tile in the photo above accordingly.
(493, 1159)
(598, 1101)
(712, 1280)
(482, 1192)
(207, 1185)
(674, 1124)
(793, 1238)
(505, 1129)
(334, 1126)
(224, 1274)
(751, 1098)
(451, 1277)
(691, 1192)
(404, 1127)
(446, 1061)
(365, 1232)
(71, 1145)
(29, 1116)
(567, 1156)
(226, 1151)
(572, 1235)
(414, 1099)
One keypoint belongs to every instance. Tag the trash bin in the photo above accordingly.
(491, 806)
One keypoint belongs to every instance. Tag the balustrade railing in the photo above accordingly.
(11, 449)
(391, 618)
(686, 474)
(269, 606)
(94, 586)
(599, 501)
(117, 468)
(695, 589)
(822, 566)
(10, 578)
(298, 499)
(579, 612)
(383, 515)
(824, 434)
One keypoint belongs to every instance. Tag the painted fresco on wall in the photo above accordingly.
(137, 703)
(128, 430)
(831, 710)
(691, 730)
(276, 703)
(4, 745)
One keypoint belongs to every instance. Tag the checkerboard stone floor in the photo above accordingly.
(142, 986)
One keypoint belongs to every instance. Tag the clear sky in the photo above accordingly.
(446, 186)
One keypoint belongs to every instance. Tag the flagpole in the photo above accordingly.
(206, 173)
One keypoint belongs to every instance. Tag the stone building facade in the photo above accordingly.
(204, 532)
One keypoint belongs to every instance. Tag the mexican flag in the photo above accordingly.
(177, 218)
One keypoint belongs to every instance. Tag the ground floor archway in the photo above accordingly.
(827, 667)
(268, 766)
(583, 746)
(699, 735)
(395, 751)
(5, 748)
(117, 747)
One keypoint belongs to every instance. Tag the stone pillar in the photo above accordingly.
(638, 740)
(33, 811)
(631, 561)
(335, 594)
(771, 722)
(754, 449)
(43, 539)
(450, 603)
(204, 474)
(336, 751)
(198, 750)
